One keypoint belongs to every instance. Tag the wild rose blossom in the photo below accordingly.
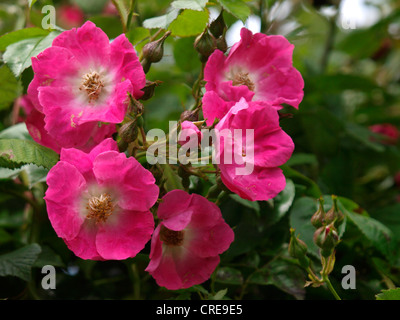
(80, 87)
(99, 202)
(186, 245)
(249, 163)
(257, 68)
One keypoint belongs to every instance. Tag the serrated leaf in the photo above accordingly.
(21, 34)
(189, 23)
(18, 263)
(237, 8)
(18, 55)
(189, 4)
(15, 153)
(391, 294)
(161, 22)
(379, 235)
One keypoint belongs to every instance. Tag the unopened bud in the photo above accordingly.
(318, 218)
(149, 89)
(136, 106)
(334, 215)
(298, 250)
(221, 44)
(154, 51)
(188, 115)
(326, 238)
(205, 44)
(128, 131)
(297, 247)
(218, 26)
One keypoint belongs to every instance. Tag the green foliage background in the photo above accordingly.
(352, 81)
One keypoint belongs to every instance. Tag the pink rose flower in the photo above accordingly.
(250, 148)
(81, 86)
(186, 245)
(99, 202)
(258, 68)
(189, 134)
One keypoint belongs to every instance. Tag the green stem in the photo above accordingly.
(325, 278)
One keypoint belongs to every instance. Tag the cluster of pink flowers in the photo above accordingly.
(101, 202)
(245, 90)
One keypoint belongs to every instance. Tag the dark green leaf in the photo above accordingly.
(380, 236)
(18, 263)
(246, 203)
(229, 275)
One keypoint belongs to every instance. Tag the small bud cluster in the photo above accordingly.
(326, 236)
(212, 38)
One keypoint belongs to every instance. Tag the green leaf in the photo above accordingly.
(219, 295)
(229, 275)
(312, 189)
(300, 220)
(171, 179)
(379, 235)
(19, 262)
(237, 8)
(283, 201)
(189, 4)
(18, 35)
(18, 55)
(15, 153)
(161, 22)
(391, 294)
(246, 203)
(48, 257)
(189, 23)
(17, 131)
(10, 87)
(284, 275)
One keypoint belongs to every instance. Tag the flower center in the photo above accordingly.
(92, 84)
(100, 208)
(242, 78)
(171, 237)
